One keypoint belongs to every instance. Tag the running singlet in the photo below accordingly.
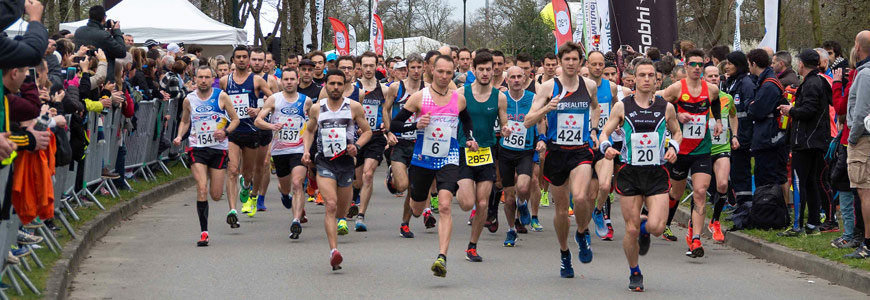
(335, 128)
(568, 125)
(645, 129)
(469, 77)
(288, 140)
(618, 135)
(206, 117)
(243, 97)
(372, 104)
(521, 138)
(531, 87)
(485, 114)
(722, 142)
(436, 144)
(605, 98)
(696, 134)
(402, 96)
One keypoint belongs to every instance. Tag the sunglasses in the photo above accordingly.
(696, 64)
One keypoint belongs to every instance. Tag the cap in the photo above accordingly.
(809, 57)
(151, 43)
(173, 47)
(400, 64)
(306, 62)
(331, 57)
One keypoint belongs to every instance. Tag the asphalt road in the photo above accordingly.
(153, 255)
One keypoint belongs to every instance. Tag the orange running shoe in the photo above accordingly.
(319, 199)
(689, 237)
(570, 211)
(716, 229)
(695, 250)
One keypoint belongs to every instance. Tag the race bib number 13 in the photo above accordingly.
(334, 141)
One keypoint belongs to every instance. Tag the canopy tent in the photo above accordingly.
(17, 28)
(170, 21)
(268, 18)
(400, 46)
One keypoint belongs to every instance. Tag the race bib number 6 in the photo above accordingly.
(569, 129)
(436, 139)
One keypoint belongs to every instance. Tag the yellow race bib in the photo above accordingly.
(483, 156)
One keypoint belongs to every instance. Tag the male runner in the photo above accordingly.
(371, 155)
(524, 61)
(599, 186)
(515, 158)
(549, 66)
(568, 102)
(245, 141)
(287, 111)
(436, 151)
(642, 180)
(311, 90)
(334, 122)
(464, 68)
(694, 154)
(720, 152)
(477, 170)
(205, 111)
(618, 136)
(498, 78)
(402, 144)
(319, 60)
(260, 61)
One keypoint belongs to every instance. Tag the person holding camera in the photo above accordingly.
(102, 34)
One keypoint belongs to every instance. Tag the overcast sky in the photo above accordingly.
(471, 7)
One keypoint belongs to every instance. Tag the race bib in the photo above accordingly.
(436, 139)
(371, 114)
(722, 138)
(605, 114)
(695, 128)
(409, 135)
(569, 129)
(292, 130)
(204, 133)
(241, 105)
(517, 139)
(483, 156)
(334, 141)
(645, 149)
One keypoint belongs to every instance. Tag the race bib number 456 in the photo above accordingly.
(569, 129)
(517, 139)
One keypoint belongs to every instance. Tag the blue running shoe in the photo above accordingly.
(261, 203)
(525, 215)
(567, 270)
(600, 227)
(583, 240)
(287, 200)
(511, 239)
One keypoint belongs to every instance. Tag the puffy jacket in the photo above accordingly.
(764, 113)
(94, 34)
(811, 124)
(788, 77)
(742, 89)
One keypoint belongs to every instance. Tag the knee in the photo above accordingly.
(233, 171)
(523, 190)
(632, 231)
(722, 186)
(202, 191)
(655, 229)
(368, 176)
(331, 207)
(216, 196)
(400, 185)
(297, 183)
(445, 209)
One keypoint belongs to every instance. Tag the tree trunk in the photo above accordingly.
(76, 10)
(297, 12)
(255, 12)
(285, 30)
(817, 23)
(312, 14)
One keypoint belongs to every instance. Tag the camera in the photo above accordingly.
(109, 24)
(91, 53)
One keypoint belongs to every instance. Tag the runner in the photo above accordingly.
(549, 66)
(570, 104)
(720, 153)
(642, 180)
(334, 121)
(244, 142)
(618, 136)
(498, 67)
(205, 111)
(371, 155)
(464, 68)
(515, 155)
(436, 151)
(287, 111)
(524, 61)
(402, 144)
(477, 169)
(600, 186)
(260, 62)
(311, 90)
(695, 146)
(319, 60)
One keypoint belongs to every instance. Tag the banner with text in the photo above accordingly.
(644, 24)
(340, 37)
(562, 20)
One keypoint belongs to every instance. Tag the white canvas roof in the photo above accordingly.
(17, 28)
(393, 47)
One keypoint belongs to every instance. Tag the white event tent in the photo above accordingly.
(17, 28)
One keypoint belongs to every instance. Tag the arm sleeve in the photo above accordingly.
(716, 106)
(465, 119)
(93, 106)
(397, 124)
(99, 76)
(113, 44)
(764, 103)
(72, 102)
(861, 108)
(23, 139)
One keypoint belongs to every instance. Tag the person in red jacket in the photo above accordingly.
(850, 209)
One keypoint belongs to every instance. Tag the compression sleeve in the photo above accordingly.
(465, 118)
(398, 125)
(716, 107)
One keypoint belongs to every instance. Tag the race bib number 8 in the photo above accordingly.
(695, 128)
(722, 138)
(436, 139)
(241, 105)
(569, 129)
(371, 114)
(645, 149)
(483, 156)
(334, 141)
(517, 139)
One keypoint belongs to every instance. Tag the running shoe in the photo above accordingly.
(643, 241)
(272, 166)
(842, 243)
(511, 239)
(295, 230)
(609, 235)
(433, 203)
(287, 200)
(716, 229)
(244, 192)
(203, 239)
(545, 198)
(520, 227)
(25, 238)
(232, 219)
(668, 235)
(491, 225)
(319, 200)
(352, 211)
(20, 252)
(598, 218)
(405, 232)
(428, 218)
(251, 209)
(335, 259)
(567, 270)
(304, 218)
(812, 231)
(360, 225)
(261, 203)
(310, 198)
(583, 241)
(696, 250)
(829, 227)
(11, 259)
(570, 211)
(791, 232)
(635, 282)
(247, 206)
(439, 267)
(860, 253)
(471, 217)
(689, 236)
(536, 225)
(471, 255)
(501, 199)
(342, 227)
(389, 181)
(525, 215)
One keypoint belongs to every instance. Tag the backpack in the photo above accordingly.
(787, 98)
(769, 210)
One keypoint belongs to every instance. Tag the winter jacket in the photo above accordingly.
(859, 103)
(811, 124)
(94, 34)
(28, 51)
(764, 113)
(788, 77)
(742, 89)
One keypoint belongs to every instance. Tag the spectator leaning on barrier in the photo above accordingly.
(859, 136)
(809, 137)
(102, 35)
(782, 67)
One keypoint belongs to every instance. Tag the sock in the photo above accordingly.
(295, 220)
(202, 211)
(607, 209)
(433, 195)
(673, 210)
(287, 196)
(534, 217)
(718, 205)
(696, 237)
(342, 219)
(355, 194)
(404, 224)
(261, 198)
(867, 243)
(361, 216)
(442, 256)
(565, 253)
(643, 227)
(635, 269)
(472, 245)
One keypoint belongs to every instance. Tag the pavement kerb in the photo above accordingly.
(832, 271)
(75, 251)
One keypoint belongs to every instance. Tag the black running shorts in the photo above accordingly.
(512, 163)
(686, 164)
(212, 158)
(285, 163)
(559, 163)
(642, 180)
(421, 179)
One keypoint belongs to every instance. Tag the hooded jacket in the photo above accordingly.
(811, 124)
(764, 113)
(859, 103)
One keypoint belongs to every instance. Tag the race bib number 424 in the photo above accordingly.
(569, 129)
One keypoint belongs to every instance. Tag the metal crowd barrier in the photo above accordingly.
(142, 143)
(172, 130)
